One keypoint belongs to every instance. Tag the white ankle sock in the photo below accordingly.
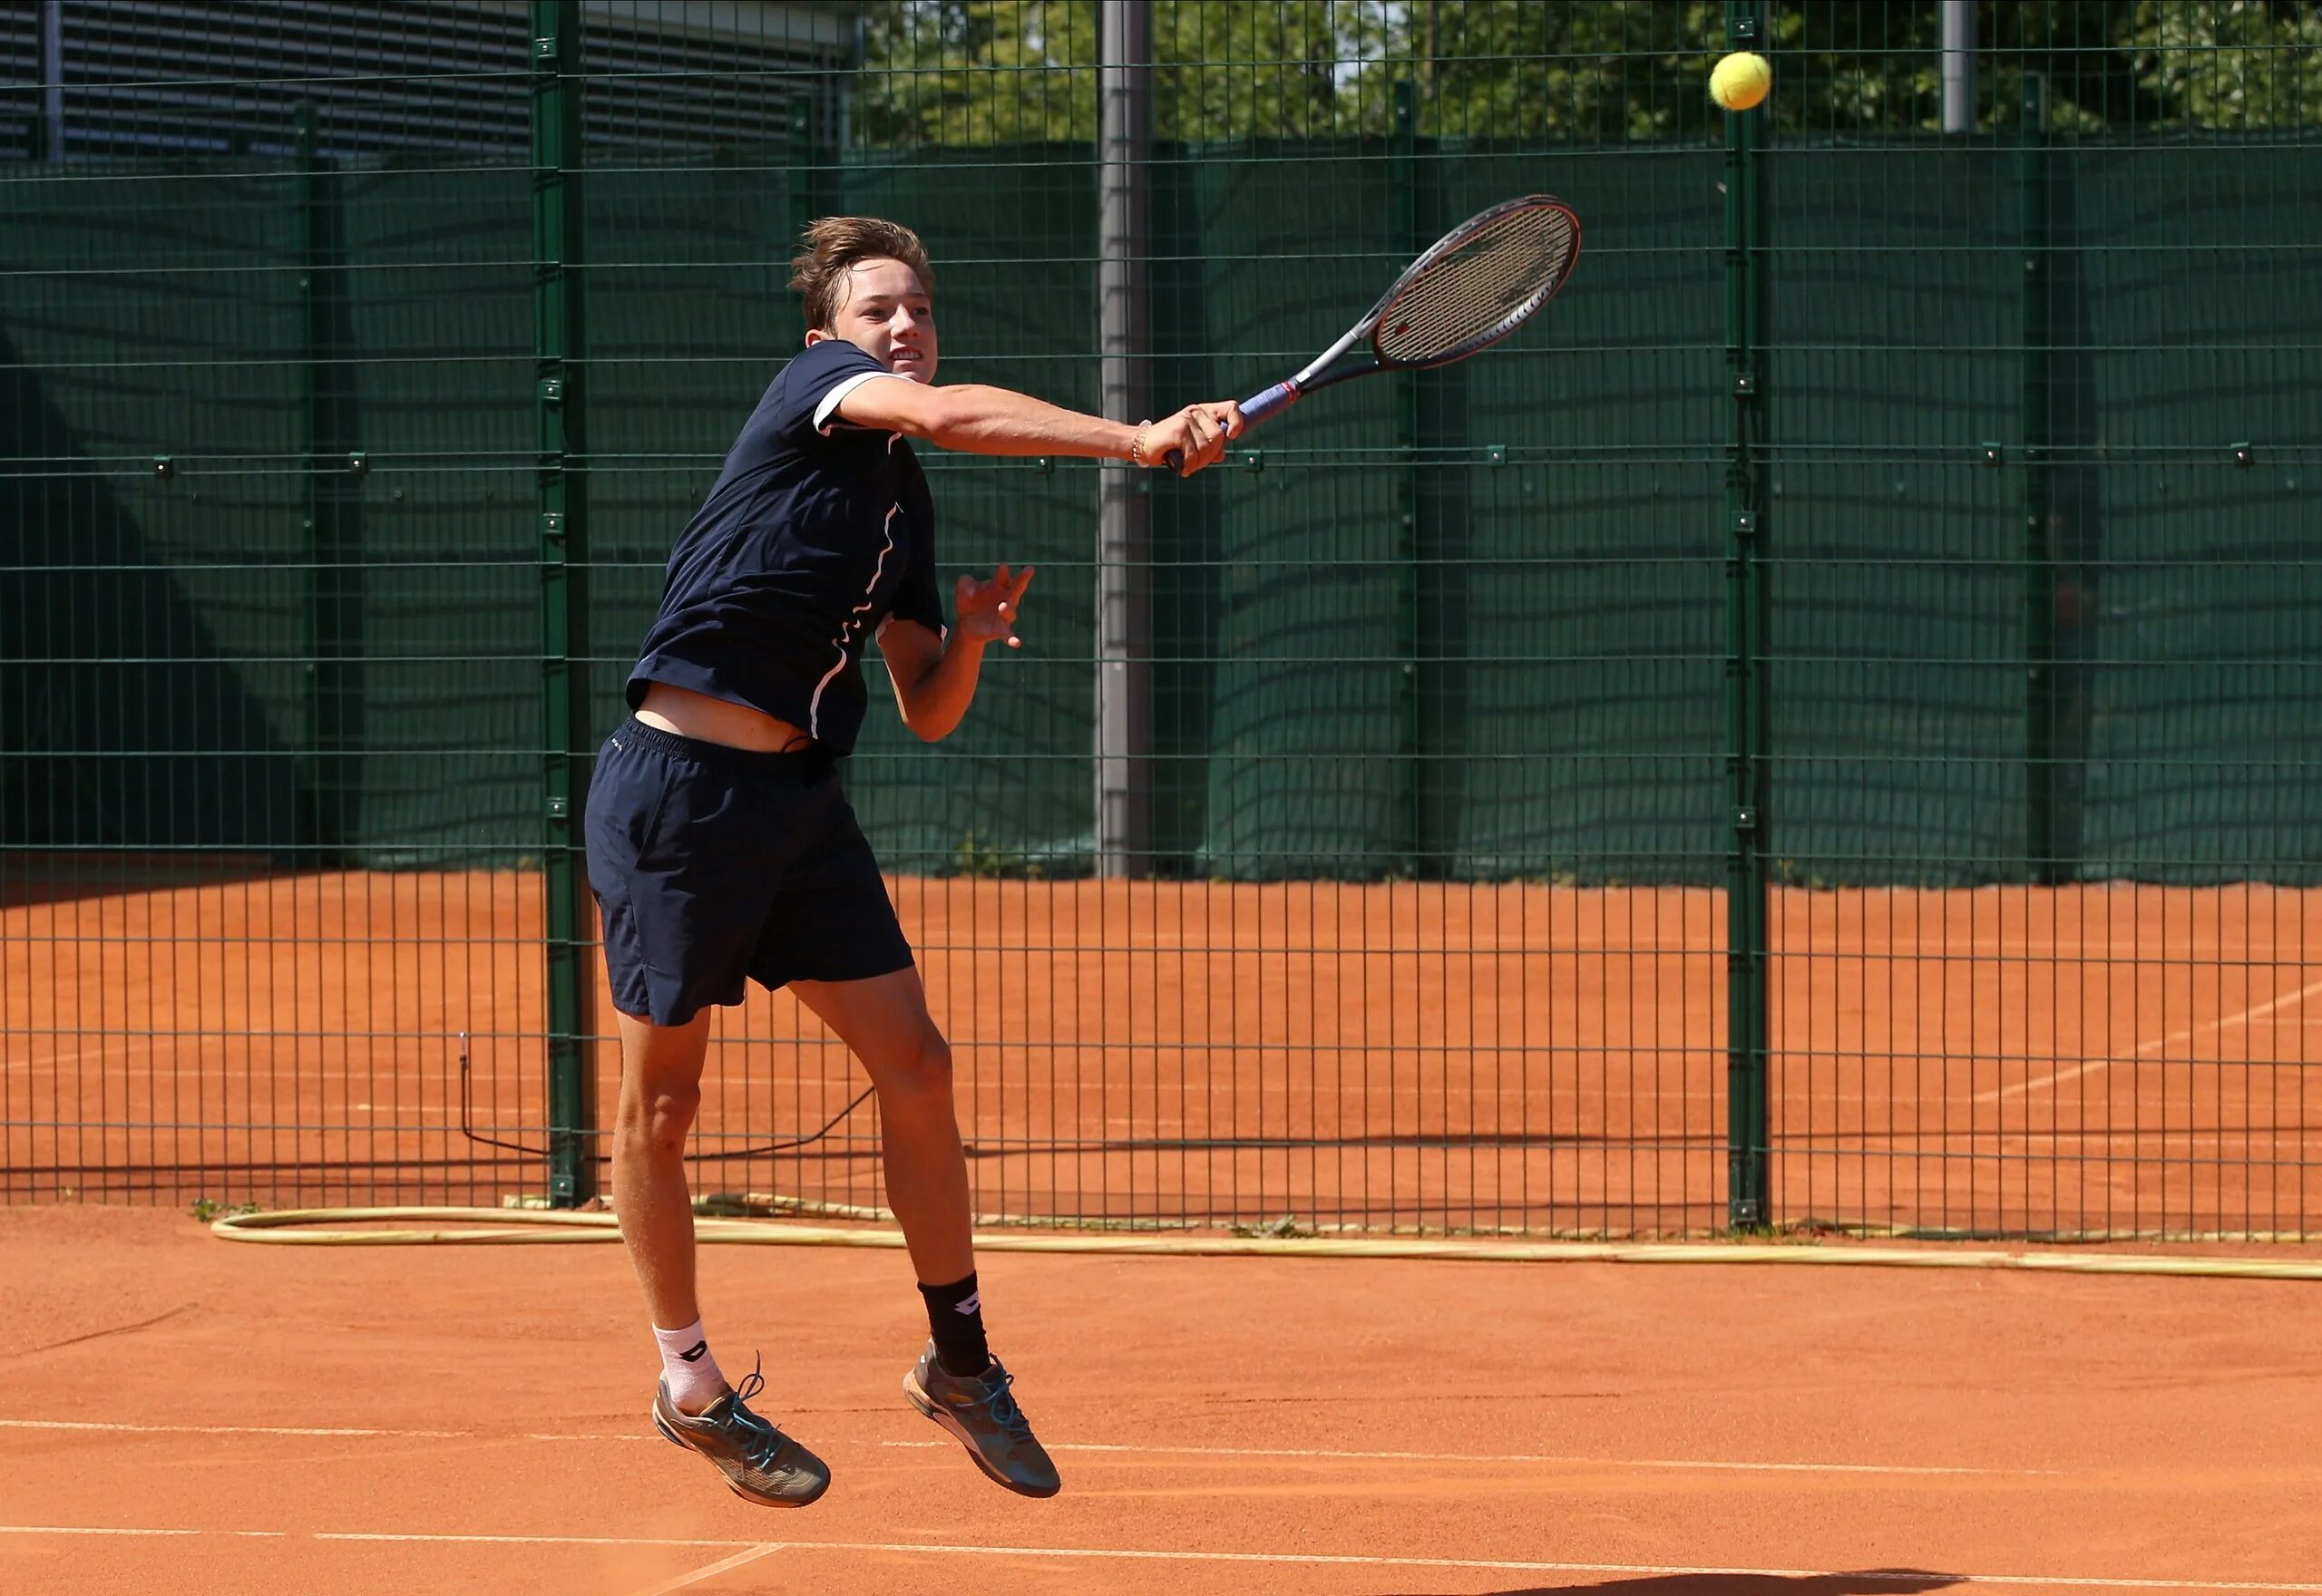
(693, 1380)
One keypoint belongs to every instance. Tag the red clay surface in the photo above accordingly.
(179, 1414)
(2124, 1059)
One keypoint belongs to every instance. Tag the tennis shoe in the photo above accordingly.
(760, 1464)
(979, 1411)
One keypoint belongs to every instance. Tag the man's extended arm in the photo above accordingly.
(981, 420)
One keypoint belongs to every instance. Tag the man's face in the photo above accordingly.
(887, 313)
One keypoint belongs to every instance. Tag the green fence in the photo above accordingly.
(1826, 715)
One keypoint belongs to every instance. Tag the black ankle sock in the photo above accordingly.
(955, 1317)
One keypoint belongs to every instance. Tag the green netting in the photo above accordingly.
(156, 621)
(436, 636)
(1584, 692)
(2195, 645)
(1310, 560)
(1466, 624)
(1898, 688)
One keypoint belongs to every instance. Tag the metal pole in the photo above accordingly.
(2039, 488)
(1958, 66)
(335, 470)
(1404, 236)
(1746, 662)
(319, 819)
(559, 392)
(1124, 796)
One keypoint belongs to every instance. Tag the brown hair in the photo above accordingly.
(834, 245)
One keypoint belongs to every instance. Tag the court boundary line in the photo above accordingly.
(350, 1432)
(1555, 1459)
(1292, 1454)
(722, 1565)
(2090, 1067)
(1162, 1555)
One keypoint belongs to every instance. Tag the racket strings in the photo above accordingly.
(1476, 291)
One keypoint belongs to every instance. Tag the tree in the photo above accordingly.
(978, 71)
(985, 72)
(2231, 66)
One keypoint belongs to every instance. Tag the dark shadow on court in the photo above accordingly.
(1880, 1581)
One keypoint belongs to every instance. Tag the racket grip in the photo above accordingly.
(1254, 409)
(1259, 406)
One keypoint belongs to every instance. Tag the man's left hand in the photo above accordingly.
(987, 610)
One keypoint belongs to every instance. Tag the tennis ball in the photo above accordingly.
(1741, 81)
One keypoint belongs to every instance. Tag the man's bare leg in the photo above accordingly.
(660, 1089)
(885, 1023)
(956, 1383)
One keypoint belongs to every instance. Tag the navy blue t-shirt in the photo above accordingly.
(814, 535)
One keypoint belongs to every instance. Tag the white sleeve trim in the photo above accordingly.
(828, 409)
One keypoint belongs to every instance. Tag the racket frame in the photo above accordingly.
(1317, 374)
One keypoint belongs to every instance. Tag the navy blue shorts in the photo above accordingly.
(712, 865)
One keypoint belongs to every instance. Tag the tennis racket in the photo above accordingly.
(1472, 288)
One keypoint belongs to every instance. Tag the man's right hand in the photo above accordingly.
(1198, 434)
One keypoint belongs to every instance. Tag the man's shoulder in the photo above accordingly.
(814, 368)
(824, 359)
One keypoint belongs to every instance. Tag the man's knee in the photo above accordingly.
(921, 1071)
(661, 1111)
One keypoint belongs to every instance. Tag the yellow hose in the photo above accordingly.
(325, 1227)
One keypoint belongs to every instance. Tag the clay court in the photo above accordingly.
(1224, 1425)
(1165, 1059)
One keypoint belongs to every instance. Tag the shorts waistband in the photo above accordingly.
(810, 761)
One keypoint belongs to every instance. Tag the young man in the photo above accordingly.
(721, 848)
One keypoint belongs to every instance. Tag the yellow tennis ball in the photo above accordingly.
(1741, 81)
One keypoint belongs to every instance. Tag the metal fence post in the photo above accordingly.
(316, 819)
(2039, 491)
(1124, 792)
(1404, 223)
(1746, 664)
(1958, 66)
(559, 401)
(334, 467)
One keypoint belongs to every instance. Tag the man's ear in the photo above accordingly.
(814, 336)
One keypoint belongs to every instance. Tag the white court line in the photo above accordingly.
(1309, 1558)
(1094, 1447)
(1679, 1462)
(2091, 1065)
(720, 1567)
(63, 1423)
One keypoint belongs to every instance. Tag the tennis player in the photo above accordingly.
(721, 848)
